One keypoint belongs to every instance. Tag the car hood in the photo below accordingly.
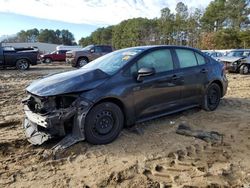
(230, 59)
(68, 82)
(43, 55)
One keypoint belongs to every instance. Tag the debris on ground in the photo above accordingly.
(208, 136)
(137, 130)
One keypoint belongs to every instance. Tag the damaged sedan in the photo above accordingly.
(237, 61)
(120, 89)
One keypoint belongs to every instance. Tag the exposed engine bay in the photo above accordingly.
(55, 116)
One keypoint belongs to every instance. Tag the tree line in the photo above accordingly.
(223, 24)
(44, 35)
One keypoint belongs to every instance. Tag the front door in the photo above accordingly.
(160, 92)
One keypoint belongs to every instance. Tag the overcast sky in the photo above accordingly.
(81, 17)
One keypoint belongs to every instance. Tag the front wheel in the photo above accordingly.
(244, 69)
(212, 97)
(47, 60)
(103, 123)
(22, 64)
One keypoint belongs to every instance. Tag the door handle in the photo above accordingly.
(204, 71)
(175, 77)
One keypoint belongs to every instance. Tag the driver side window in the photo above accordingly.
(160, 60)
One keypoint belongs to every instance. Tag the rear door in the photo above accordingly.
(10, 57)
(193, 69)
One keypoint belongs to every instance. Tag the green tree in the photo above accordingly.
(180, 26)
(227, 38)
(244, 37)
(48, 36)
(165, 26)
(214, 16)
(67, 38)
(238, 13)
(31, 35)
(85, 41)
(194, 28)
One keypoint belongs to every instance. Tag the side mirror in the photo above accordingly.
(144, 72)
(92, 51)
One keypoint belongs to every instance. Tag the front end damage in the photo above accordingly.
(56, 116)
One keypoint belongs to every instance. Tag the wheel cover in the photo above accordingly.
(22, 64)
(104, 123)
(47, 60)
(245, 69)
(213, 97)
(82, 62)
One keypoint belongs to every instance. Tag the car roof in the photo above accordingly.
(240, 50)
(160, 46)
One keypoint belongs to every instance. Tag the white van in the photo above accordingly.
(68, 48)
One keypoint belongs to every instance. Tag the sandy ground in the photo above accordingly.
(157, 157)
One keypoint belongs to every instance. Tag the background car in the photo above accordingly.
(87, 54)
(237, 61)
(58, 55)
(20, 58)
(214, 54)
(120, 89)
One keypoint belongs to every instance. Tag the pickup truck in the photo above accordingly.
(58, 55)
(89, 53)
(19, 58)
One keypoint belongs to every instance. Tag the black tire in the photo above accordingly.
(47, 60)
(212, 97)
(22, 64)
(103, 123)
(244, 69)
(82, 61)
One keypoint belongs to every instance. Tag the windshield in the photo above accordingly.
(54, 52)
(238, 54)
(112, 62)
(88, 47)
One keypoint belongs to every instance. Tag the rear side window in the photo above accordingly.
(201, 60)
(160, 60)
(106, 49)
(186, 58)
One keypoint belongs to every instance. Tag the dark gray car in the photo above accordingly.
(120, 89)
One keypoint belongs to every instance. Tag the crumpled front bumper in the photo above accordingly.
(40, 128)
(32, 133)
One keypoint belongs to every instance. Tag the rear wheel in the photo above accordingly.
(82, 61)
(22, 64)
(212, 97)
(103, 123)
(244, 69)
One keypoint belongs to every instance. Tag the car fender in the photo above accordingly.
(126, 109)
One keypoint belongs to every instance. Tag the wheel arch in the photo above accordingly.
(219, 83)
(26, 58)
(119, 103)
(82, 57)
